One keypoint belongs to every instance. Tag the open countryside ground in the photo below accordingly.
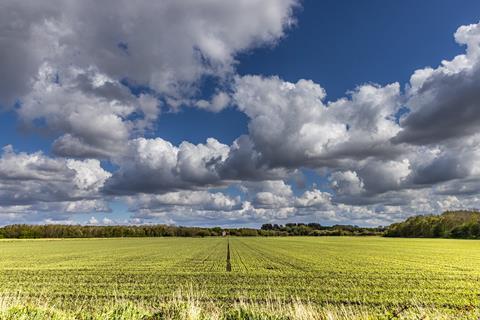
(375, 277)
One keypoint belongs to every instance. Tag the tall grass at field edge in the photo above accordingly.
(191, 307)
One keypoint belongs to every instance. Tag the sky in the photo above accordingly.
(238, 113)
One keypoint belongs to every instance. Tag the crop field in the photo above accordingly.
(270, 278)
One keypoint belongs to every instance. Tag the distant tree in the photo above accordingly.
(267, 226)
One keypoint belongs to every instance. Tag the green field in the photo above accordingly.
(366, 276)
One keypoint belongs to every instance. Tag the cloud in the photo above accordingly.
(197, 200)
(346, 183)
(219, 101)
(291, 125)
(380, 176)
(107, 221)
(200, 163)
(259, 202)
(315, 199)
(167, 46)
(444, 102)
(269, 194)
(245, 162)
(23, 45)
(92, 125)
(93, 221)
(157, 166)
(201, 208)
(49, 184)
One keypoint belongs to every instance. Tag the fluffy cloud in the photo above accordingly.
(346, 183)
(291, 125)
(269, 194)
(268, 204)
(34, 179)
(315, 199)
(218, 102)
(198, 200)
(199, 163)
(245, 162)
(39, 189)
(93, 121)
(445, 101)
(380, 176)
(23, 45)
(166, 45)
(259, 202)
(157, 166)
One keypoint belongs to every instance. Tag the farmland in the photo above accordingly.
(370, 276)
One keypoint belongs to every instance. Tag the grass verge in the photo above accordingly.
(194, 307)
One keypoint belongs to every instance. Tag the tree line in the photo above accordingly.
(24, 231)
(450, 224)
(316, 229)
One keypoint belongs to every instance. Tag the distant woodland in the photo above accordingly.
(450, 224)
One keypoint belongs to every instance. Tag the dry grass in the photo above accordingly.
(189, 305)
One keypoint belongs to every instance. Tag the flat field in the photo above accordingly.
(341, 277)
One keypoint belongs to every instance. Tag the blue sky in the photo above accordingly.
(73, 108)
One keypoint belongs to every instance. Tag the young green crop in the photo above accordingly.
(370, 273)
